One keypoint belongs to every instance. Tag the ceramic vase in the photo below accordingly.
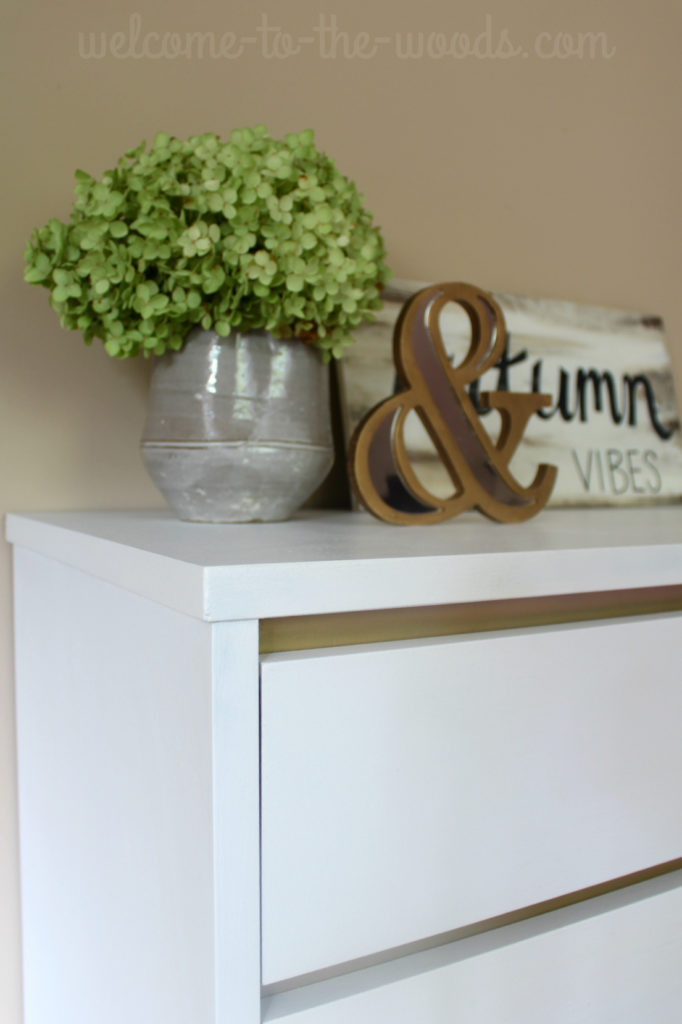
(238, 429)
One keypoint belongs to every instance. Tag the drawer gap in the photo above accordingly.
(298, 633)
(295, 994)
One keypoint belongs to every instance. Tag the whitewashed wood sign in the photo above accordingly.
(612, 429)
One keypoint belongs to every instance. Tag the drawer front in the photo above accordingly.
(415, 788)
(617, 967)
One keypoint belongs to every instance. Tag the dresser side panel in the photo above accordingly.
(114, 748)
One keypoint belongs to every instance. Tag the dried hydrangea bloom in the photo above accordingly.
(240, 235)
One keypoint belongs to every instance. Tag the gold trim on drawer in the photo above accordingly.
(303, 632)
(589, 897)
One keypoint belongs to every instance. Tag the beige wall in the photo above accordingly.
(549, 177)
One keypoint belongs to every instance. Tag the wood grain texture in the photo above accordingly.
(562, 349)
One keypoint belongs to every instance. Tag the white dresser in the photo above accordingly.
(337, 772)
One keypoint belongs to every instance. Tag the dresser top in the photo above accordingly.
(322, 562)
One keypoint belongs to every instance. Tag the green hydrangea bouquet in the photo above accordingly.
(248, 234)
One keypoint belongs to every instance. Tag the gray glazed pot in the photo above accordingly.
(238, 429)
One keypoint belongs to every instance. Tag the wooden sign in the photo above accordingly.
(611, 427)
(379, 463)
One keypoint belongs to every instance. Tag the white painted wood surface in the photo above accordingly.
(236, 822)
(342, 561)
(415, 788)
(600, 461)
(138, 745)
(138, 732)
(613, 961)
(114, 737)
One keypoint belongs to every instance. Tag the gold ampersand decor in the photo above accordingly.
(380, 469)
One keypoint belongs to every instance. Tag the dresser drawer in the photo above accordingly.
(415, 788)
(617, 962)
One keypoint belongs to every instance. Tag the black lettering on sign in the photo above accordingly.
(617, 475)
(629, 472)
(634, 470)
(502, 366)
(650, 458)
(584, 472)
(580, 392)
(631, 383)
(597, 380)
